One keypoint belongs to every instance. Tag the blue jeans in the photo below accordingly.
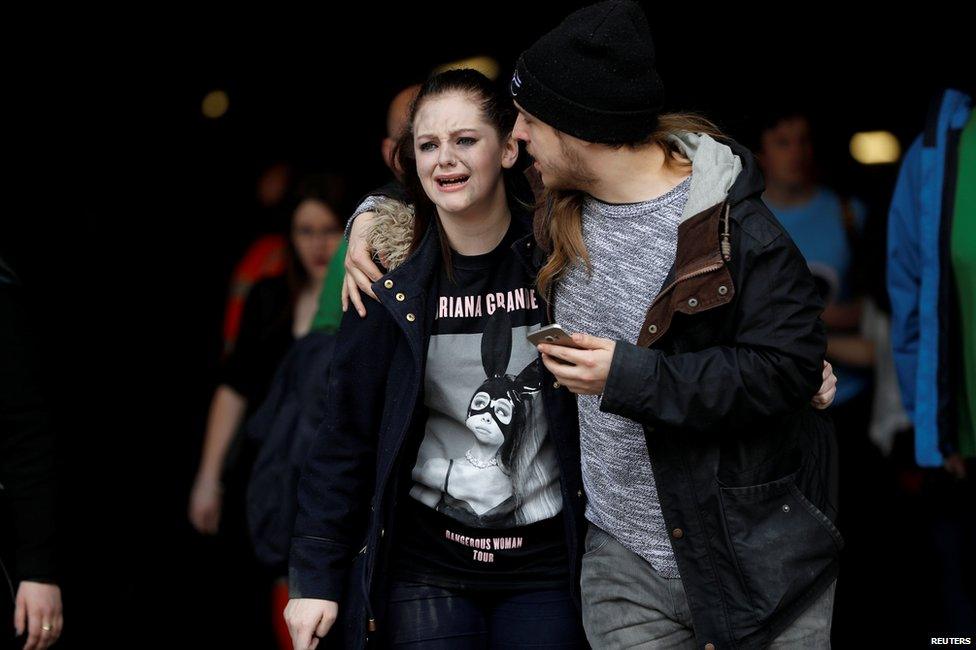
(433, 618)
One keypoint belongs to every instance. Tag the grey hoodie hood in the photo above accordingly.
(715, 168)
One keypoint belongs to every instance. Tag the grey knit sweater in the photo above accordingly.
(631, 248)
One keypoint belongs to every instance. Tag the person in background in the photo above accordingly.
(28, 480)
(266, 256)
(826, 227)
(932, 284)
(278, 310)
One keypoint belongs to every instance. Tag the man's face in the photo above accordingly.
(787, 152)
(559, 158)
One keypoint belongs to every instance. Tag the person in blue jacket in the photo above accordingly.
(932, 282)
(924, 303)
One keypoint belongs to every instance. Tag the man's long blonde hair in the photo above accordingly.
(561, 230)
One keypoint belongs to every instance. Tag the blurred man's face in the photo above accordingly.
(397, 117)
(787, 153)
(273, 184)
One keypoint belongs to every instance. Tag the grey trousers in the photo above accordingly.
(627, 604)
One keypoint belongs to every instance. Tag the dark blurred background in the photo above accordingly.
(128, 209)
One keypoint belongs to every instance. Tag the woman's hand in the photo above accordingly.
(309, 619)
(588, 375)
(38, 611)
(205, 502)
(828, 389)
(361, 272)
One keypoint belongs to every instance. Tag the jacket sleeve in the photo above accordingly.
(28, 465)
(337, 480)
(773, 368)
(905, 273)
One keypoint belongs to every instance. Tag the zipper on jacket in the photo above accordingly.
(687, 276)
(726, 243)
(726, 246)
(369, 607)
(549, 304)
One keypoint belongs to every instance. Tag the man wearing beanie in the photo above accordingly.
(706, 468)
(707, 464)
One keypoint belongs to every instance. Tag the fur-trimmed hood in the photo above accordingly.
(391, 232)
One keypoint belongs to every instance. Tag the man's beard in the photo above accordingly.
(571, 172)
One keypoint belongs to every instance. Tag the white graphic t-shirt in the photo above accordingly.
(485, 506)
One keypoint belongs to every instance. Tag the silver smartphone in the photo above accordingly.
(553, 334)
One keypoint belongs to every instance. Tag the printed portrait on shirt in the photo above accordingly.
(486, 460)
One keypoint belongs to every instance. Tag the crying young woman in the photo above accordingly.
(441, 505)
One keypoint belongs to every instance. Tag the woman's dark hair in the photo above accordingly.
(496, 107)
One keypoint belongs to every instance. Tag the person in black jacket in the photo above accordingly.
(28, 477)
(709, 476)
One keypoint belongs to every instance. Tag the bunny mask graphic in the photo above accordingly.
(485, 460)
(486, 503)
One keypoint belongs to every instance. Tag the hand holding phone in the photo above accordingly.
(593, 351)
(553, 335)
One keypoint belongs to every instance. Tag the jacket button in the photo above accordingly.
(722, 290)
(382, 532)
(786, 507)
(692, 302)
(579, 493)
(709, 646)
(677, 533)
(411, 317)
(555, 384)
(388, 284)
(652, 329)
(400, 297)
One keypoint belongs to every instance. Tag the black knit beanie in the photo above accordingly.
(593, 76)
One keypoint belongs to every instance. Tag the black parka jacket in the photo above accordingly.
(721, 377)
